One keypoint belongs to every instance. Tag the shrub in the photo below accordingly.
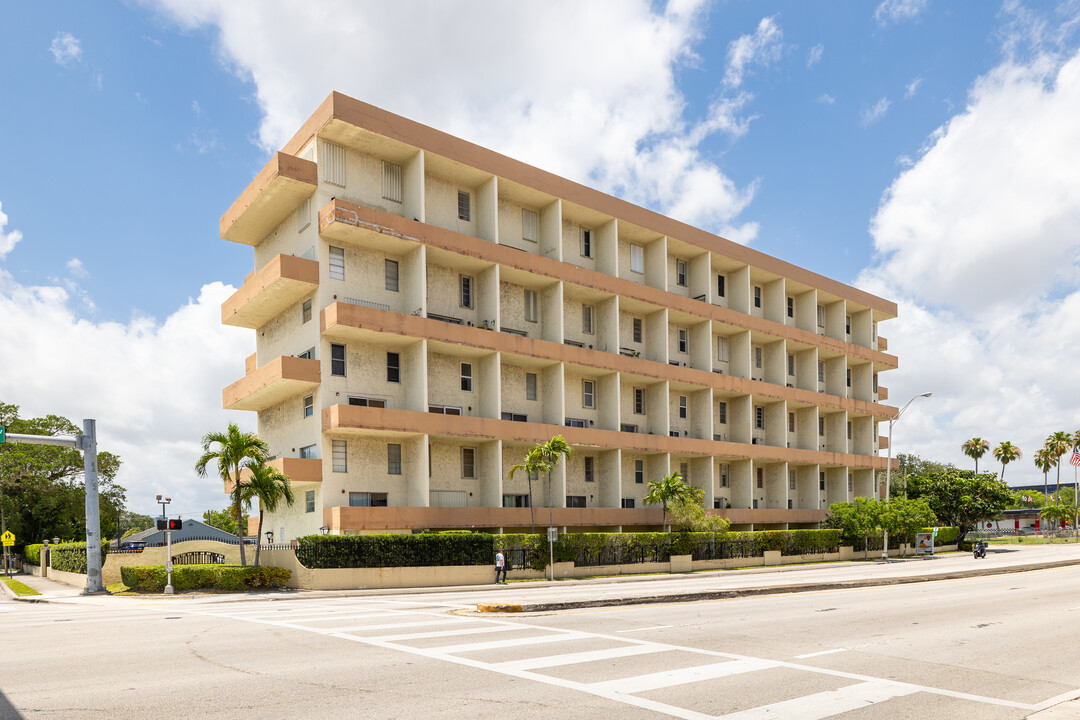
(152, 578)
(71, 557)
(372, 551)
(945, 535)
(32, 553)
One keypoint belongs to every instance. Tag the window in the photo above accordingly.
(339, 455)
(530, 386)
(309, 501)
(849, 430)
(721, 413)
(305, 311)
(466, 377)
(574, 422)
(575, 501)
(515, 501)
(849, 488)
(529, 225)
(821, 316)
(680, 272)
(530, 306)
(308, 452)
(333, 165)
(821, 427)
(849, 377)
(337, 263)
(821, 481)
(309, 405)
(468, 462)
(724, 468)
(367, 402)
(683, 340)
(721, 281)
(639, 401)
(682, 407)
(443, 410)
(847, 324)
(637, 258)
(757, 296)
(463, 206)
(790, 307)
(514, 417)
(303, 215)
(626, 427)
(637, 330)
(628, 503)
(393, 367)
(761, 477)
(308, 354)
(465, 284)
(791, 422)
(367, 499)
(722, 349)
(875, 382)
(590, 475)
(587, 319)
(393, 459)
(391, 273)
(684, 470)
(586, 243)
(391, 182)
(639, 471)
(821, 372)
(759, 417)
(791, 479)
(757, 357)
(337, 360)
(791, 364)
(588, 394)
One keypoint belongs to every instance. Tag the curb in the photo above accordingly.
(782, 589)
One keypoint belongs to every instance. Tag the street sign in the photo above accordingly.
(553, 534)
(8, 538)
(3, 434)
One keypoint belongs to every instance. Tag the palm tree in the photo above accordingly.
(235, 450)
(1055, 515)
(1044, 461)
(666, 492)
(1005, 453)
(533, 464)
(1057, 445)
(270, 487)
(975, 448)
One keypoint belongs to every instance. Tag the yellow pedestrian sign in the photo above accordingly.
(8, 538)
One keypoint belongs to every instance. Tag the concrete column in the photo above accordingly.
(558, 487)
(742, 483)
(701, 346)
(776, 424)
(701, 280)
(413, 282)
(551, 313)
(489, 385)
(862, 436)
(863, 482)
(862, 381)
(553, 381)
(774, 301)
(740, 418)
(835, 312)
(701, 414)
(488, 307)
(606, 240)
(836, 376)
(609, 478)
(414, 375)
(806, 369)
(776, 362)
(740, 353)
(413, 187)
(487, 210)
(836, 432)
(862, 328)
(836, 485)
(806, 428)
(416, 463)
(807, 496)
(489, 470)
(656, 264)
(657, 408)
(657, 467)
(806, 311)
(702, 476)
(551, 230)
(656, 336)
(607, 324)
(608, 401)
(776, 486)
(738, 289)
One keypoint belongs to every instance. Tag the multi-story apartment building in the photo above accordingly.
(426, 310)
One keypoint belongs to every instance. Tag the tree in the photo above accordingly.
(1044, 461)
(42, 493)
(909, 464)
(1056, 514)
(235, 450)
(270, 487)
(1005, 453)
(1057, 445)
(225, 520)
(1027, 499)
(666, 492)
(903, 517)
(688, 514)
(975, 448)
(960, 497)
(542, 458)
(856, 519)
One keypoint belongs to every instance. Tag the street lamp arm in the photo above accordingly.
(888, 467)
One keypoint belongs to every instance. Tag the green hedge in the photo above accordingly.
(373, 551)
(71, 557)
(152, 578)
(945, 535)
(32, 553)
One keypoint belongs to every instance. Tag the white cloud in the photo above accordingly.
(905, 161)
(912, 88)
(605, 114)
(75, 267)
(154, 388)
(8, 240)
(196, 108)
(871, 115)
(65, 49)
(826, 99)
(899, 10)
(977, 241)
(814, 56)
(763, 48)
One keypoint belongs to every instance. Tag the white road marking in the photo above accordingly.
(394, 626)
(496, 644)
(668, 678)
(820, 652)
(444, 633)
(825, 704)
(654, 627)
(575, 658)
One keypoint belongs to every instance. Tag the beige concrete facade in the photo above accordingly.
(426, 310)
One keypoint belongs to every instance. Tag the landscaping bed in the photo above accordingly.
(221, 578)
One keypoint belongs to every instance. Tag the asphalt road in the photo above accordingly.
(988, 647)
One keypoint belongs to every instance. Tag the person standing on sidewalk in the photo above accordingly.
(500, 567)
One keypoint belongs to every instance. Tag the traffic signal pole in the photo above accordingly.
(87, 443)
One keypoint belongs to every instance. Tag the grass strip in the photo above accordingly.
(19, 588)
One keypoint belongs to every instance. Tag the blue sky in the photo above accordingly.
(923, 150)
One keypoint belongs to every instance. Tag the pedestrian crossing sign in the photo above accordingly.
(8, 538)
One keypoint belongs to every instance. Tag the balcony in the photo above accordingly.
(882, 394)
(277, 380)
(883, 442)
(298, 470)
(272, 196)
(268, 292)
(882, 344)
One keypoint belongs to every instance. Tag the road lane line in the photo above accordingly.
(825, 704)
(821, 652)
(668, 678)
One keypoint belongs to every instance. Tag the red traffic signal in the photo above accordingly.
(176, 524)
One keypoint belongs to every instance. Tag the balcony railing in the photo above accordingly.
(365, 303)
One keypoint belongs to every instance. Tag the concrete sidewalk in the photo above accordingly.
(49, 589)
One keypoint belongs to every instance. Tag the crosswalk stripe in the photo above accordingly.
(668, 678)
(579, 657)
(446, 633)
(496, 644)
(825, 704)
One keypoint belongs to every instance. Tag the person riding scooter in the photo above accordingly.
(978, 549)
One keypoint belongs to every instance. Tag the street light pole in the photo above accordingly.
(888, 467)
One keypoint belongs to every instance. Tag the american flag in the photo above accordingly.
(1075, 458)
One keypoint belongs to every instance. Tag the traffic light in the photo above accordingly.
(176, 524)
(162, 524)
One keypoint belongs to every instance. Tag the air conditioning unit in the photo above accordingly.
(790, 385)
